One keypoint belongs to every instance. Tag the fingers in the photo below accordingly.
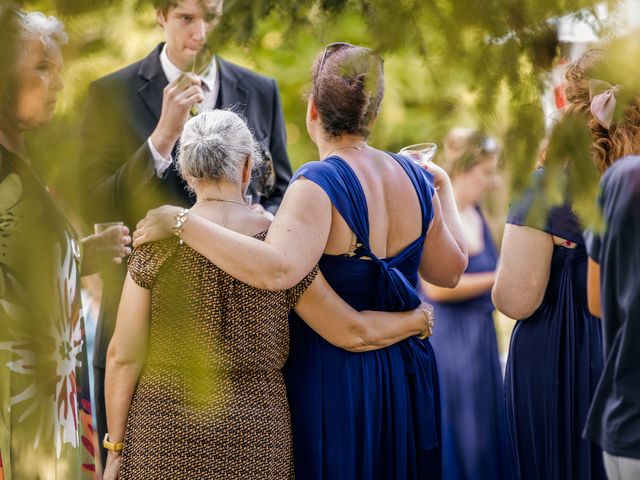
(116, 237)
(179, 90)
(138, 238)
(183, 93)
(118, 251)
(191, 95)
(184, 81)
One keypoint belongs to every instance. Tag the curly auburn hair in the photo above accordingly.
(623, 136)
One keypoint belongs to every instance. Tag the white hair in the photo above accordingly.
(215, 145)
(37, 25)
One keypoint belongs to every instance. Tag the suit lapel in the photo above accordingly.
(151, 91)
(233, 92)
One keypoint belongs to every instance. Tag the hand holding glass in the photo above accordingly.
(421, 153)
(112, 240)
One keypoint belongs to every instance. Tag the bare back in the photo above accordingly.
(395, 216)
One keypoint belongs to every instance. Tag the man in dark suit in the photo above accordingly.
(134, 118)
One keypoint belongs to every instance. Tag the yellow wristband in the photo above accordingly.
(113, 446)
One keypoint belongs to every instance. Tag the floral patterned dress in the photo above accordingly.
(45, 410)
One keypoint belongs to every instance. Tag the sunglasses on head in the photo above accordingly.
(489, 145)
(332, 47)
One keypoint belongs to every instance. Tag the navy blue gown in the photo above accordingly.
(370, 415)
(474, 443)
(555, 361)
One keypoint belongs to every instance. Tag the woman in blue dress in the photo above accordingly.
(555, 355)
(372, 222)
(474, 442)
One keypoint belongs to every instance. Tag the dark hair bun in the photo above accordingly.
(348, 90)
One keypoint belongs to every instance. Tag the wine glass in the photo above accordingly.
(420, 153)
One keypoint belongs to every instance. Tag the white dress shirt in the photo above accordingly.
(210, 87)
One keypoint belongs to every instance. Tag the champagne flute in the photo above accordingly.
(194, 110)
(421, 153)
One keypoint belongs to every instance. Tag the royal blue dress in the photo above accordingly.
(474, 438)
(555, 359)
(370, 415)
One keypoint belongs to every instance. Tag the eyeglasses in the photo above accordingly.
(332, 47)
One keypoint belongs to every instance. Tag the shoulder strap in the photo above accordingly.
(341, 184)
(423, 183)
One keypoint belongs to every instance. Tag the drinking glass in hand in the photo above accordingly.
(99, 228)
(111, 240)
(421, 153)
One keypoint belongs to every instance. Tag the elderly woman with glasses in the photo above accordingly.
(372, 221)
(45, 411)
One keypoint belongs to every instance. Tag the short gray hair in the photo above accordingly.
(214, 146)
(37, 25)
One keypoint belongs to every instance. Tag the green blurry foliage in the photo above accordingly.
(447, 63)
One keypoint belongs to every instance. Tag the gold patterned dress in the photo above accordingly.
(211, 400)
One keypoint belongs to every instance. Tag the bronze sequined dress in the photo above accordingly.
(211, 400)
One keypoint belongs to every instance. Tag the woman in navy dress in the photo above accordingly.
(555, 355)
(474, 442)
(372, 222)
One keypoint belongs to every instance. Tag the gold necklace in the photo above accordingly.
(359, 147)
(213, 199)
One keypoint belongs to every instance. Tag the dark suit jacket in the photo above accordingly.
(117, 173)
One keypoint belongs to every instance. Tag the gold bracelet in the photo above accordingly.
(427, 309)
(113, 446)
(181, 218)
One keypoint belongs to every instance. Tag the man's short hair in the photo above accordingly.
(165, 5)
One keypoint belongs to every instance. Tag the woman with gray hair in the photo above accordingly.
(45, 410)
(194, 364)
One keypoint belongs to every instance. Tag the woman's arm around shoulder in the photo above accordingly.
(523, 272)
(294, 244)
(341, 325)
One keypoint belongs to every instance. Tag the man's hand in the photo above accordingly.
(177, 99)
